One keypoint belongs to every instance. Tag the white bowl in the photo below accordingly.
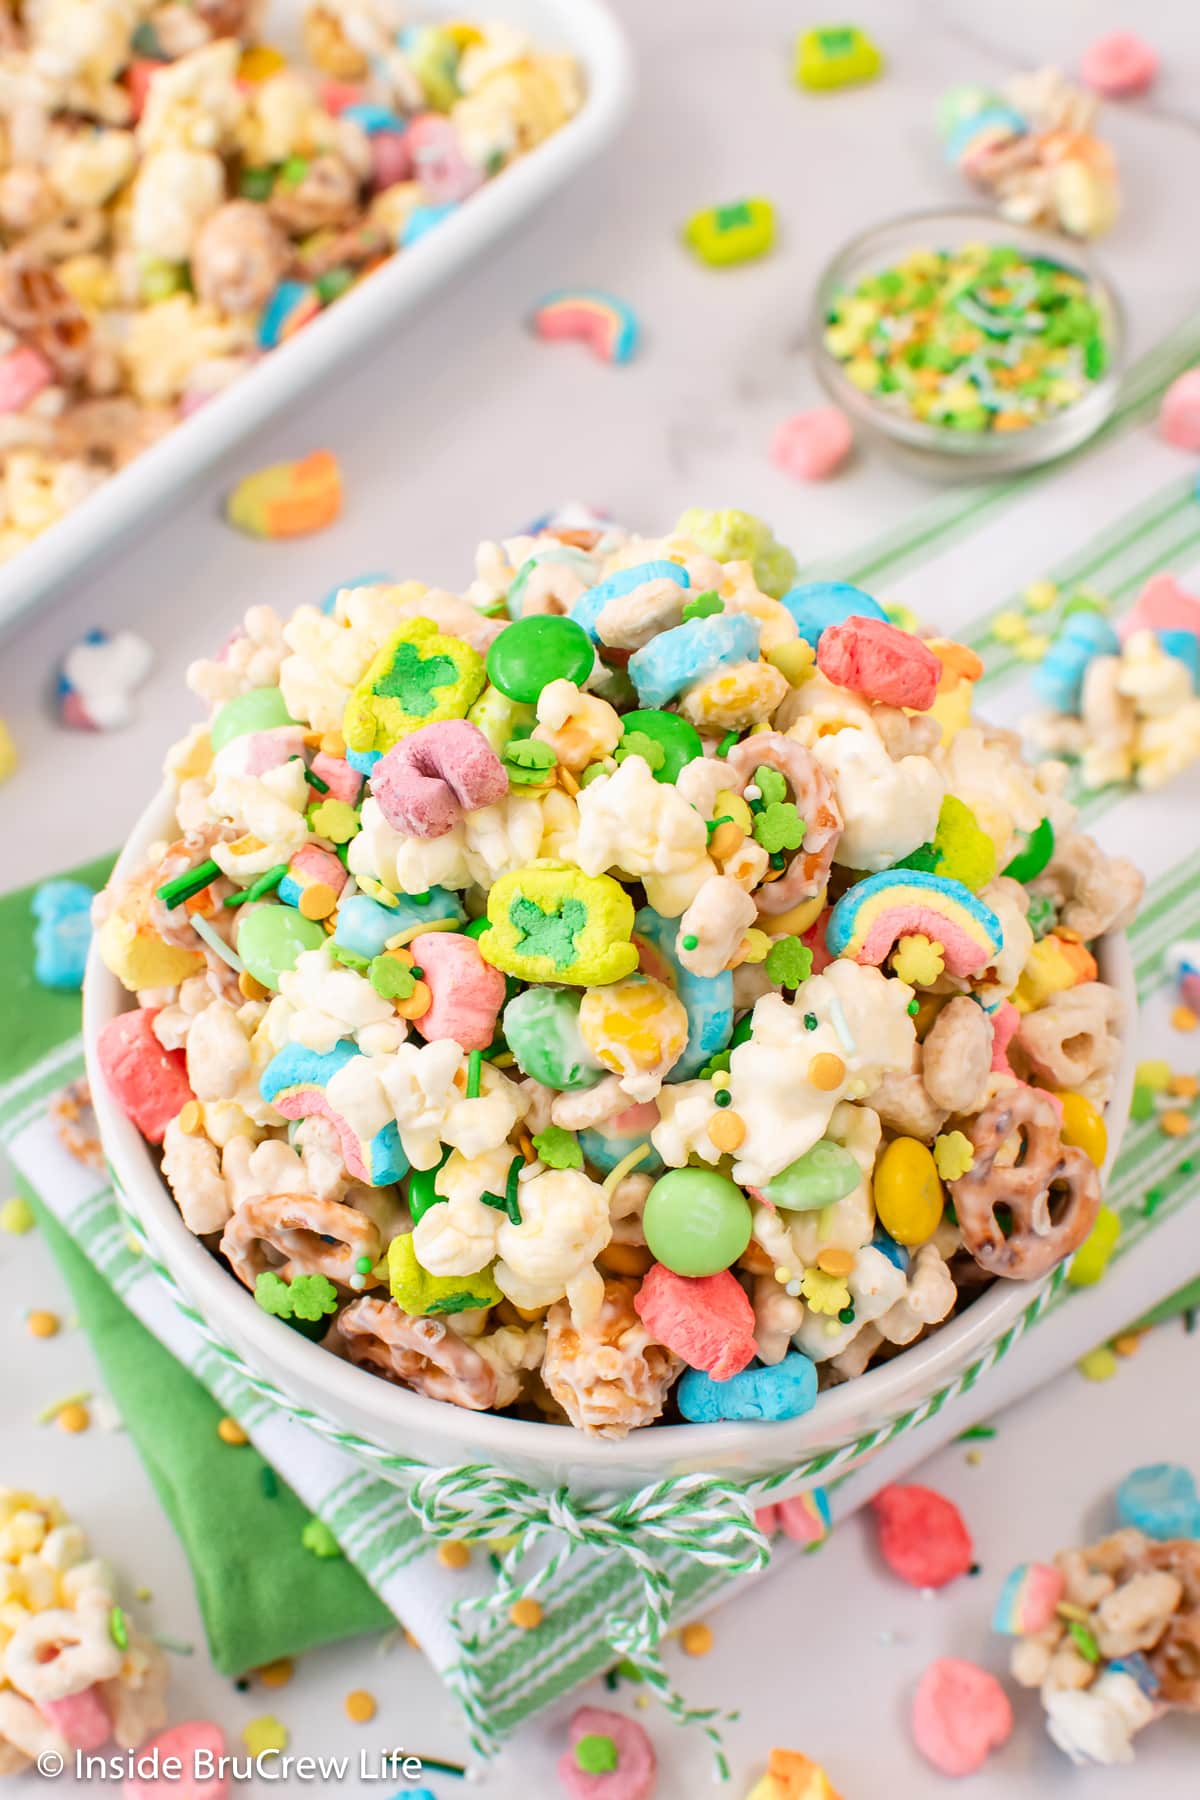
(395, 1420)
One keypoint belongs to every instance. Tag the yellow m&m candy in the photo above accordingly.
(1083, 1127)
(909, 1198)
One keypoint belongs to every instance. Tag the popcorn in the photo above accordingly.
(888, 808)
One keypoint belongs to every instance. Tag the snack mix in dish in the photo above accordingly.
(636, 986)
(1110, 1634)
(177, 198)
(74, 1673)
(1033, 146)
(983, 338)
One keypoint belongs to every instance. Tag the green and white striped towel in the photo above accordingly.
(961, 562)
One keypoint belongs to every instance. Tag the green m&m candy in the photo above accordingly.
(531, 653)
(270, 940)
(258, 709)
(696, 1221)
(679, 741)
(541, 1027)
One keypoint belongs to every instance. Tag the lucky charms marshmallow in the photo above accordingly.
(74, 1673)
(632, 987)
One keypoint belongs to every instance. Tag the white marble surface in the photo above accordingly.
(467, 427)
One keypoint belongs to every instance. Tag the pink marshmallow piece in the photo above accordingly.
(467, 992)
(192, 1746)
(81, 1718)
(1179, 413)
(428, 780)
(878, 660)
(1006, 1021)
(24, 372)
(1119, 63)
(438, 161)
(343, 782)
(391, 159)
(705, 1319)
(636, 1773)
(960, 1715)
(1162, 605)
(149, 1083)
(810, 446)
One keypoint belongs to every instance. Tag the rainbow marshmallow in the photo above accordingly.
(309, 867)
(295, 1082)
(874, 914)
(605, 324)
(1028, 1600)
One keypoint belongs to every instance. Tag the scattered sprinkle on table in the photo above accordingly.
(16, 1216)
(270, 1482)
(526, 1614)
(1184, 1019)
(41, 1324)
(1098, 1365)
(1183, 1087)
(74, 1417)
(980, 339)
(696, 1639)
(230, 1432)
(277, 1674)
(360, 1706)
(263, 1734)
(1174, 1123)
(49, 1414)
(318, 1538)
(453, 1554)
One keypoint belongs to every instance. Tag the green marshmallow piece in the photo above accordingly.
(258, 709)
(823, 1175)
(733, 536)
(420, 1294)
(679, 741)
(531, 653)
(541, 1028)
(500, 719)
(272, 938)
(596, 1754)
(696, 1221)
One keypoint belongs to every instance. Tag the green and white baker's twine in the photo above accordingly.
(706, 1519)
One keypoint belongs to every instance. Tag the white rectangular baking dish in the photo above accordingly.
(127, 500)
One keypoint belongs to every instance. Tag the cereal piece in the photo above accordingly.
(888, 666)
(606, 325)
(149, 1083)
(288, 499)
(836, 56)
(1118, 64)
(736, 233)
(610, 1375)
(810, 446)
(921, 1536)
(609, 1757)
(960, 1715)
(708, 1321)
(97, 678)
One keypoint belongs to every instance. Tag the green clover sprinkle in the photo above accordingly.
(716, 1065)
(318, 1538)
(789, 962)
(1085, 1643)
(596, 1754)
(639, 743)
(528, 761)
(413, 678)
(558, 1148)
(770, 783)
(508, 1201)
(550, 934)
(779, 827)
(391, 978)
(349, 958)
(313, 1296)
(703, 606)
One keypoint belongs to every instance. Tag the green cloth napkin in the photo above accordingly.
(262, 1595)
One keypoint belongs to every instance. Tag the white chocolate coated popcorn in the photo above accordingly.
(631, 822)
(888, 808)
(551, 1254)
(330, 1002)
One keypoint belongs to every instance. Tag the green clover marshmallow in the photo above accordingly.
(550, 922)
(419, 676)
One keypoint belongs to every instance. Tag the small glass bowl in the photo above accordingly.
(936, 451)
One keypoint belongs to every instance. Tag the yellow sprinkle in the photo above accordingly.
(783, 1274)
(1183, 1087)
(1184, 1019)
(401, 938)
(74, 1417)
(317, 901)
(16, 1216)
(277, 1674)
(250, 989)
(835, 1262)
(263, 1734)
(453, 1554)
(360, 1706)
(1009, 628)
(191, 1118)
(974, 1457)
(1098, 1365)
(1033, 647)
(1039, 596)
(41, 1324)
(696, 1640)
(333, 743)
(230, 1432)
(726, 1130)
(616, 1175)
(1174, 1123)
(826, 1071)
(526, 1614)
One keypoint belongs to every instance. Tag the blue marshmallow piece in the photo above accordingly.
(816, 604)
(781, 1392)
(589, 606)
(1161, 1500)
(707, 999)
(1000, 118)
(605, 1151)
(1058, 679)
(364, 926)
(1185, 647)
(62, 934)
(675, 660)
